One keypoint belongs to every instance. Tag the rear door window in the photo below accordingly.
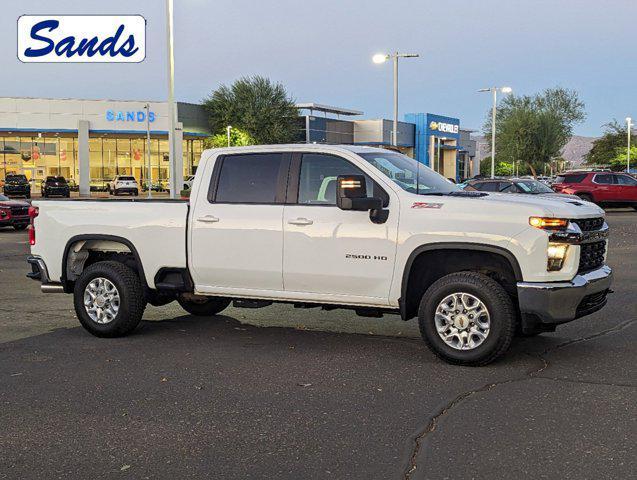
(604, 179)
(250, 178)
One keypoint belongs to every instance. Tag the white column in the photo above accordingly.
(83, 158)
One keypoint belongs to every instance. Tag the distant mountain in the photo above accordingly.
(576, 148)
(573, 152)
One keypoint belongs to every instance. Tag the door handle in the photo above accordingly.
(208, 219)
(300, 221)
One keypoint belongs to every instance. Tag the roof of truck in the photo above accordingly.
(304, 147)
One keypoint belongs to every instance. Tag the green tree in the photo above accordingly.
(534, 129)
(502, 169)
(610, 148)
(238, 138)
(256, 106)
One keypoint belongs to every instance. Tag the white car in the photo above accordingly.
(188, 182)
(336, 227)
(123, 184)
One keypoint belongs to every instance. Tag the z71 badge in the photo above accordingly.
(426, 205)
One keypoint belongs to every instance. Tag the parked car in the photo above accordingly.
(73, 186)
(55, 186)
(17, 185)
(14, 213)
(188, 182)
(604, 188)
(516, 185)
(123, 184)
(331, 226)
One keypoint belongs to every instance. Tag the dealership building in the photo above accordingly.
(41, 137)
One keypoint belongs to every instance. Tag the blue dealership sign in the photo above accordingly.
(129, 116)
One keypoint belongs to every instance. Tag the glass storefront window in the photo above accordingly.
(50, 154)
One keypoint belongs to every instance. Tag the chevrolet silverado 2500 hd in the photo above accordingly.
(335, 227)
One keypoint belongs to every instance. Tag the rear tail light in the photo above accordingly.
(33, 213)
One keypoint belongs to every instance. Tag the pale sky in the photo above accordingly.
(321, 51)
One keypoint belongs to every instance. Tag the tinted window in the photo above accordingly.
(626, 180)
(126, 179)
(577, 178)
(604, 179)
(249, 178)
(317, 182)
(16, 178)
(486, 186)
(506, 187)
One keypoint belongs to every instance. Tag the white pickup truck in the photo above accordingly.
(334, 227)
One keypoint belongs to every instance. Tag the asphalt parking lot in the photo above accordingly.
(283, 393)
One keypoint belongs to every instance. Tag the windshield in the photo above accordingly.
(56, 179)
(409, 174)
(126, 179)
(533, 186)
(3, 198)
(16, 178)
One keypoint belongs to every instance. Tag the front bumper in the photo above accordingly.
(553, 303)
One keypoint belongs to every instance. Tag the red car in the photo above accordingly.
(14, 213)
(603, 188)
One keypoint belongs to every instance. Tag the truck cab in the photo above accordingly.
(334, 227)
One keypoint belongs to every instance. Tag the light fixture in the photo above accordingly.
(380, 58)
(556, 253)
(548, 223)
(506, 89)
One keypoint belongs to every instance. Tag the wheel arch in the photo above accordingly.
(95, 240)
(469, 256)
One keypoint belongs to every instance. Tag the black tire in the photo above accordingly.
(492, 295)
(135, 193)
(205, 308)
(586, 197)
(131, 294)
(20, 227)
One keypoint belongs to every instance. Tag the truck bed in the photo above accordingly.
(155, 228)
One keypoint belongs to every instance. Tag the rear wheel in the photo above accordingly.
(206, 307)
(109, 299)
(467, 318)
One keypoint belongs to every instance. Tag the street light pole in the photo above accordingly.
(629, 125)
(174, 190)
(381, 58)
(494, 91)
(149, 174)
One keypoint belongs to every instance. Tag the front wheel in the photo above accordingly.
(109, 299)
(467, 318)
(205, 307)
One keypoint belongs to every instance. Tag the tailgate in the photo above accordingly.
(156, 229)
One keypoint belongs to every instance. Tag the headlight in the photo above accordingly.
(548, 223)
(556, 253)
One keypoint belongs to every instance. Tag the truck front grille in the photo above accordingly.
(589, 224)
(591, 256)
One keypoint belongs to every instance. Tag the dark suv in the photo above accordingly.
(55, 186)
(16, 185)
